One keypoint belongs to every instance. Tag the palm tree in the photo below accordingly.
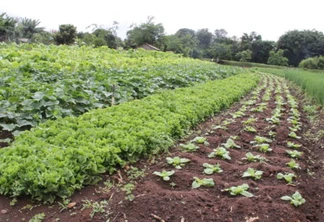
(28, 27)
(7, 27)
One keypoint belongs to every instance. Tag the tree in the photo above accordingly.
(247, 40)
(7, 27)
(299, 45)
(260, 50)
(204, 38)
(221, 51)
(244, 56)
(277, 58)
(312, 63)
(66, 35)
(148, 32)
(28, 27)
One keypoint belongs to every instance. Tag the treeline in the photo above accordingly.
(290, 50)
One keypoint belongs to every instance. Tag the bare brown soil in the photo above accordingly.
(176, 200)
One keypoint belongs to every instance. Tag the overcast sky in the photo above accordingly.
(271, 19)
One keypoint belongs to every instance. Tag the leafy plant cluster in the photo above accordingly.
(39, 82)
(58, 157)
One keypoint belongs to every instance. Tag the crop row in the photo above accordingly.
(58, 157)
(272, 86)
(48, 82)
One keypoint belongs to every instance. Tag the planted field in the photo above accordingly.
(40, 82)
(256, 162)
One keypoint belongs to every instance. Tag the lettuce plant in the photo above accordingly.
(239, 190)
(294, 153)
(210, 169)
(177, 162)
(208, 182)
(190, 147)
(255, 174)
(296, 199)
(221, 152)
(253, 158)
(164, 174)
(288, 177)
(230, 144)
(293, 164)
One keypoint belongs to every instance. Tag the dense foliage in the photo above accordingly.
(299, 45)
(60, 156)
(47, 82)
(312, 63)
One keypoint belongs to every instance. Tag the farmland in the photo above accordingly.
(173, 149)
(49, 82)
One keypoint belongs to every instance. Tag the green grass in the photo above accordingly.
(311, 82)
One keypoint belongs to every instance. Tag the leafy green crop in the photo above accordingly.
(230, 144)
(221, 152)
(39, 82)
(200, 140)
(190, 147)
(255, 174)
(177, 162)
(164, 174)
(242, 190)
(288, 177)
(294, 153)
(60, 156)
(208, 182)
(296, 199)
(253, 158)
(210, 169)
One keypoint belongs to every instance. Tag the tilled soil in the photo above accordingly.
(136, 194)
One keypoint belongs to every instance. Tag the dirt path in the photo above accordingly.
(136, 194)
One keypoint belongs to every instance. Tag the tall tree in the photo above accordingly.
(147, 32)
(299, 45)
(260, 50)
(28, 27)
(7, 27)
(66, 35)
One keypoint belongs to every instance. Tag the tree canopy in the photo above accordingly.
(299, 45)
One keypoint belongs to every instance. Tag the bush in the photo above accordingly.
(312, 63)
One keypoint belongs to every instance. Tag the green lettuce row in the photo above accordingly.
(58, 157)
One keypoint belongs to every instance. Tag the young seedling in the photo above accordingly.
(230, 144)
(264, 147)
(164, 174)
(294, 154)
(272, 134)
(255, 174)
(97, 207)
(208, 182)
(294, 135)
(210, 169)
(293, 145)
(242, 190)
(288, 177)
(190, 147)
(296, 199)
(260, 139)
(273, 120)
(200, 140)
(222, 152)
(253, 158)
(293, 164)
(177, 162)
(249, 121)
(250, 129)
(220, 127)
(237, 114)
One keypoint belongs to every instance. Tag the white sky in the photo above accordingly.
(271, 19)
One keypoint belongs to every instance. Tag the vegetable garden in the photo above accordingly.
(151, 156)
